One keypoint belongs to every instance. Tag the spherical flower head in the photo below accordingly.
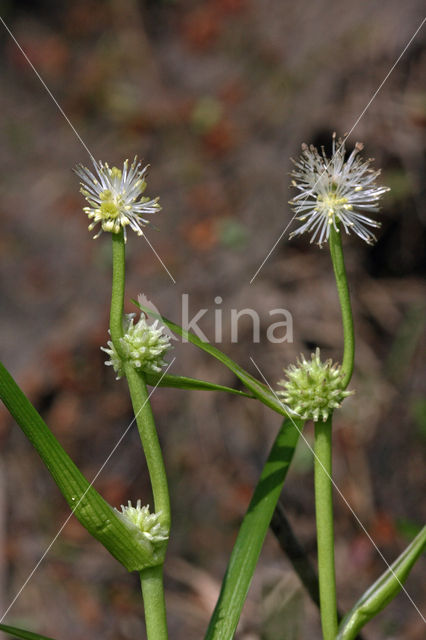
(148, 524)
(143, 345)
(115, 197)
(313, 389)
(333, 191)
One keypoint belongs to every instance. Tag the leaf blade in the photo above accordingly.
(183, 382)
(388, 585)
(257, 388)
(22, 633)
(93, 512)
(252, 533)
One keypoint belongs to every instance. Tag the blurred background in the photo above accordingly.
(216, 96)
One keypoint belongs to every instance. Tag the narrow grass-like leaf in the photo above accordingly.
(182, 382)
(252, 533)
(22, 633)
(94, 513)
(257, 388)
(383, 590)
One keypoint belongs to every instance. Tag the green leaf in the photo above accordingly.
(94, 513)
(383, 590)
(252, 533)
(182, 382)
(22, 633)
(257, 388)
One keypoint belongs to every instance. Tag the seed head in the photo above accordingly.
(313, 388)
(143, 344)
(147, 523)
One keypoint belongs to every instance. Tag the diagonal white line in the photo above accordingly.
(70, 123)
(344, 140)
(343, 497)
(273, 248)
(47, 88)
(90, 485)
(386, 77)
(160, 260)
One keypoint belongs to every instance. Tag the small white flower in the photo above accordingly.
(116, 197)
(143, 344)
(147, 523)
(333, 191)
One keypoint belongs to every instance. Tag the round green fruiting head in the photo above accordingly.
(313, 389)
(148, 524)
(143, 345)
(147, 529)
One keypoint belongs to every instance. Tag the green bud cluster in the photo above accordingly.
(143, 345)
(313, 389)
(148, 524)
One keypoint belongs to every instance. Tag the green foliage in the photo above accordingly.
(93, 512)
(182, 382)
(258, 389)
(383, 590)
(252, 533)
(22, 633)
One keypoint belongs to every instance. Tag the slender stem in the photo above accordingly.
(137, 386)
(325, 528)
(154, 605)
(345, 304)
(151, 578)
(298, 557)
(150, 443)
(117, 294)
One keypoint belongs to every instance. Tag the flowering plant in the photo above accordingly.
(333, 194)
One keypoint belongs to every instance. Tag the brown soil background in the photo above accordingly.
(216, 96)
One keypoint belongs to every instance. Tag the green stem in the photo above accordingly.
(336, 252)
(117, 294)
(150, 443)
(325, 528)
(152, 578)
(154, 605)
(137, 386)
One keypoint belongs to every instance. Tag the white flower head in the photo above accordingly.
(116, 196)
(313, 388)
(143, 345)
(333, 191)
(147, 523)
